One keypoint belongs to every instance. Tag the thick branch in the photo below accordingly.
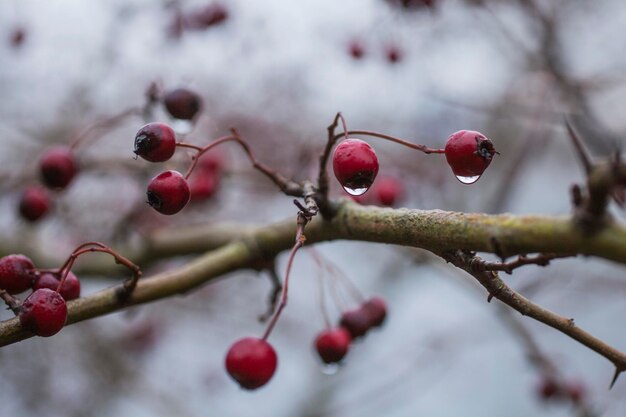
(434, 230)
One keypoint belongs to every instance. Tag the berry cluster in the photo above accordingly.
(44, 311)
(549, 389)
(355, 163)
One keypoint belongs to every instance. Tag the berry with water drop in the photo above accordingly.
(182, 103)
(168, 193)
(251, 362)
(355, 165)
(469, 153)
(332, 345)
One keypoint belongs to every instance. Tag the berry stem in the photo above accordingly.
(129, 285)
(12, 302)
(421, 148)
(300, 239)
(322, 178)
(105, 124)
(287, 186)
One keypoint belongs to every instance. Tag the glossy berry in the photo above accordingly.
(17, 273)
(251, 362)
(357, 322)
(168, 192)
(70, 289)
(469, 153)
(356, 49)
(355, 165)
(44, 312)
(182, 103)
(57, 167)
(388, 191)
(333, 344)
(34, 203)
(155, 142)
(203, 185)
(376, 309)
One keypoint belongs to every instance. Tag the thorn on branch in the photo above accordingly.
(618, 372)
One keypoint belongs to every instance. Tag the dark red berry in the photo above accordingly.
(355, 165)
(548, 389)
(333, 344)
(44, 312)
(576, 391)
(58, 167)
(394, 54)
(357, 322)
(251, 362)
(203, 185)
(34, 203)
(413, 4)
(168, 192)
(155, 142)
(206, 17)
(376, 309)
(70, 289)
(356, 49)
(469, 153)
(18, 35)
(388, 190)
(17, 273)
(182, 103)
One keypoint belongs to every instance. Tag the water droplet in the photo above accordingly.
(468, 180)
(330, 368)
(356, 191)
(182, 127)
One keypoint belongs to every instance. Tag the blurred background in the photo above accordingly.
(279, 71)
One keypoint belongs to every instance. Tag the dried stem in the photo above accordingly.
(106, 124)
(416, 146)
(542, 259)
(12, 302)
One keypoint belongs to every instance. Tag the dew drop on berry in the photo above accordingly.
(330, 368)
(356, 191)
(468, 180)
(181, 126)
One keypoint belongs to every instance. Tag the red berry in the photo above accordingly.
(212, 161)
(58, 167)
(394, 54)
(182, 103)
(357, 322)
(251, 362)
(356, 49)
(576, 391)
(70, 289)
(17, 273)
(18, 35)
(210, 15)
(155, 142)
(34, 203)
(333, 344)
(388, 191)
(469, 153)
(377, 311)
(168, 192)
(44, 312)
(355, 165)
(548, 389)
(203, 185)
